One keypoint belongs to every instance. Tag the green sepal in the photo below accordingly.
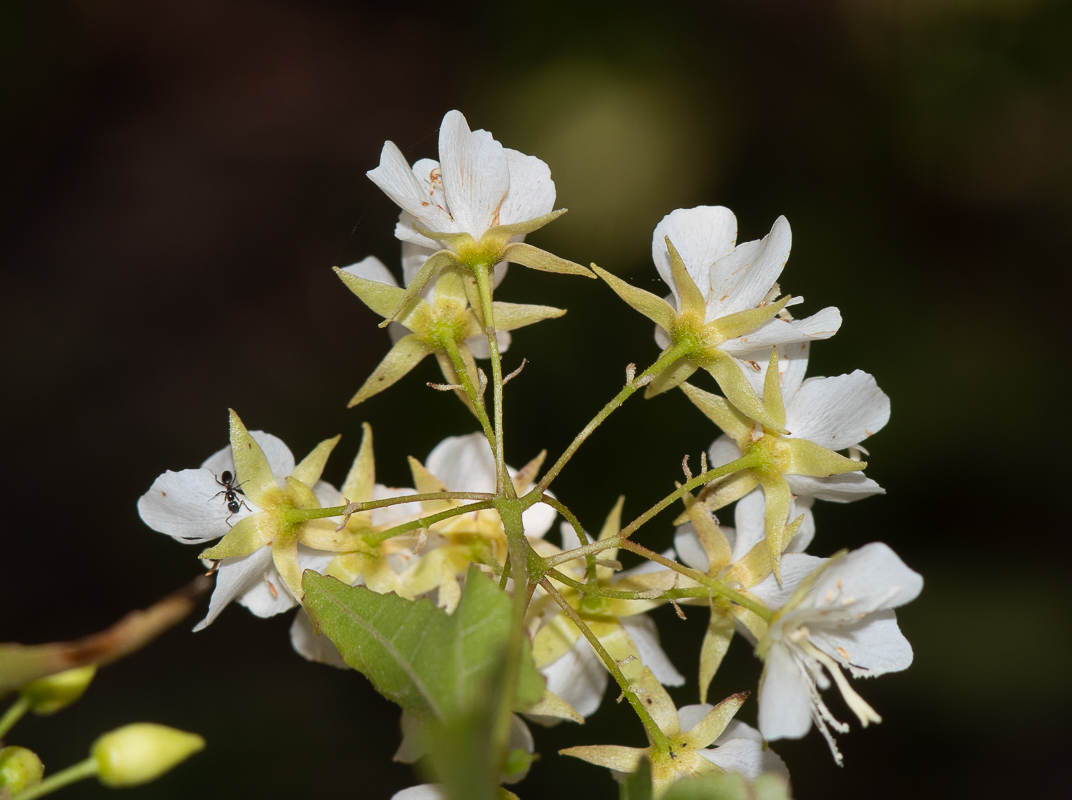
(692, 299)
(248, 535)
(651, 306)
(439, 260)
(671, 377)
(721, 412)
(727, 371)
(809, 458)
(534, 258)
(312, 466)
(404, 356)
(253, 473)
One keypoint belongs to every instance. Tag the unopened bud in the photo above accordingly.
(141, 752)
(19, 769)
(49, 695)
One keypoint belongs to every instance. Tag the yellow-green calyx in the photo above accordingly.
(56, 692)
(695, 342)
(270, 526)
(462, 250)
(776, 456)
(675, 753)
(438, 326)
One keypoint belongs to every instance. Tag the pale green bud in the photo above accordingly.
(49, 695)
(141, 752)
(19, 769)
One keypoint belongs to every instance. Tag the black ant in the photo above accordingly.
(230, 493)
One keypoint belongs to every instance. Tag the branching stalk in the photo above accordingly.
(627, 391)
(658, 738)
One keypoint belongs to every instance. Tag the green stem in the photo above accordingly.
(575, 523)
(715, 585)
(510, 513)
(13, 715)
(745, 462)
(294, 515)
(658, 738)
(460, 368)
(483, 284)
(627, 391)
(76, 772)
(593, 590)
(616, 541)
(424, 522)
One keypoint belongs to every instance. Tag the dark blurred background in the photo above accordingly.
(179, 179)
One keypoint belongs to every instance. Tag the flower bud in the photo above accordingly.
(141, 752)
(49, 695)
(19, 769)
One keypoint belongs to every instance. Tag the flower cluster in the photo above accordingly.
(567, 618)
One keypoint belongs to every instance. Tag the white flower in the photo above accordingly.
(477, 185)
(702, 739)
(573, 670)
(191, 507)
(732, 277)
(471, 209)
(841, 616)
(819, 416)
(723, 302)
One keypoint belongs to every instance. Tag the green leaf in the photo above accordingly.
(638, 785)
(434, 665)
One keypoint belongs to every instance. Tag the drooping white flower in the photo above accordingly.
(840, 617)
(440, 321)
(472, 207)
(573, 670)
(703, 739)
(256, 567)
(741, 560)
(723, 301)
(819, 416)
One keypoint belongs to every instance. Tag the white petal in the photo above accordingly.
(742, 279)
(189, 506)
(411, 747)
(537, 519)
(327, 494)
(641, 629)
(397, 181)
(745, 756)
(280, 459)
(235, 577)
(689, 550)
(478, 345)
(874, 643)
(806, 532)
(578, 677)
(748, 520)
(662, 338)
(873, 577)
(722, 451)
(795, 568)
(784, 700)
(476, 176)
(690, 716)
(372, 269)
(838, 412)
(792, 364)
(776, 331)
(463, 463)
(532, 192)
(836, 489)
(426, 791)
(267, 595)
(312, 645)
(387, 514)
(701, 235)
(569, 537)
